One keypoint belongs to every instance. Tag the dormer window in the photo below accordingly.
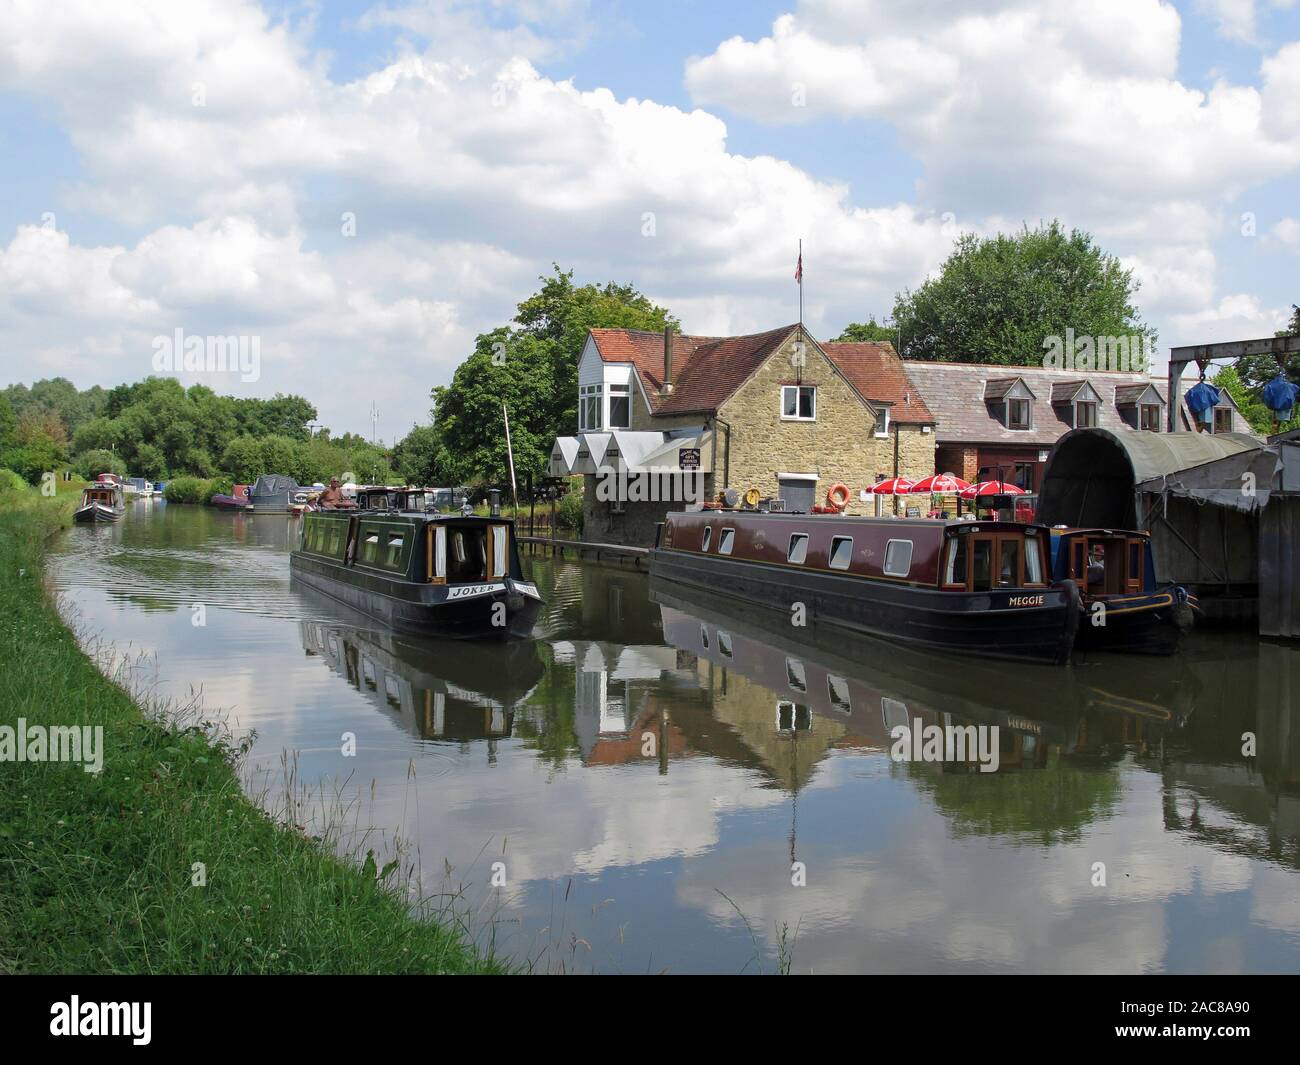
(1018, 414)
(1223, 419)
(1150, 417)
(799, 403)
(1085, 415)
(882, 421)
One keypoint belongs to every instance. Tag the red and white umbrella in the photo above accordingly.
(991, 488)
(895, 486)
(938, 484)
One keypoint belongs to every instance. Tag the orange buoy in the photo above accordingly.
(838, 497)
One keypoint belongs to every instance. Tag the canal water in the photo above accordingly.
(662, 783)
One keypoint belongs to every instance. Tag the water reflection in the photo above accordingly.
(652, 765)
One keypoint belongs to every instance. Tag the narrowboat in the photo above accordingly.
(100, 502)
(273, 493)
(1124, 607)
(971, 587)
(416, 571)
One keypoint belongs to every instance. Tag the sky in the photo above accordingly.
(358, 189)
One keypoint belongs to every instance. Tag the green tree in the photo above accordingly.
(997, 300)
(559, 315)
(1247, 400)
(8, 422)
(90, 464)
(859, 332)
(419, 457)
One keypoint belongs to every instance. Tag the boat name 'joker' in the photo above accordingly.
(472, 590)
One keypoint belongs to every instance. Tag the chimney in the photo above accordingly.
(668, 361)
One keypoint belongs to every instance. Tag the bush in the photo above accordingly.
(186, 490)
(90, 464)
(569, 513)
(12, 486)
(218, 486)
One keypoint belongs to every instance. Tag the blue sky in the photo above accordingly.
(476, 143)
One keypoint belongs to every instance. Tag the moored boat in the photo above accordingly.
(273, 493)
(418, 571)
(980, 588)
(100, 502)
(1124, 607)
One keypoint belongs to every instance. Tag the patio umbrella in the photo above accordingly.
(938, 484)
(895, 486)
(991, 488)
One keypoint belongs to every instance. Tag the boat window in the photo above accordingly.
(724, 643)
(468, 560)
(955, 572)
(1009, 563)
(726, 541)
(708, 538)
(898, 558)
(796, 675)
(1136, 569)
(393, 555)
(982, 565)
(841, 552)
(704, 637)
(838, 690)
(1033, 561)
(798, 548)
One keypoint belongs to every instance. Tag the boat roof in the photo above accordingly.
(866, 519)
(1081, 530)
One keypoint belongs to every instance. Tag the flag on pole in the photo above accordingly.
(798, 270)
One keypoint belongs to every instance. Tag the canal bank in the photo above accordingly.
(157, 863)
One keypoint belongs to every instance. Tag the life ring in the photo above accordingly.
(752, 496)
(838, 497)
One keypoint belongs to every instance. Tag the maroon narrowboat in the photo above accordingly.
(972, 587)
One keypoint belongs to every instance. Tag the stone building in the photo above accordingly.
(679, 418)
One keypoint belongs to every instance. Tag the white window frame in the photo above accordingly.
(789, 550)
(586, 393)
(621, 392)
(797, 417)
(726, 541)
(881, 433)
(911, 549)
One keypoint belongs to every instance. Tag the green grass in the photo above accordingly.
(96, 869)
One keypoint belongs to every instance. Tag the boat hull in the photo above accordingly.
(1014, 625)
(1149, 624)
(96, 515)
(424, 609)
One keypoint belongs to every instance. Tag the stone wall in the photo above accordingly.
(839, 445)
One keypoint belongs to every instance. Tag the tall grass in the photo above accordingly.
(158, 863)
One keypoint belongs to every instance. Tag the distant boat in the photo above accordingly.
(140, 488)
(102, 502)
(222, 502)
(273, 493)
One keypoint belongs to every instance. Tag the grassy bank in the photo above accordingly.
(97, 870)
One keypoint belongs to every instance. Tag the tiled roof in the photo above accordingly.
(1127, 394)
(997, 387)
(954, 391)
(706, 370)
(876, 371)
(1065, 391)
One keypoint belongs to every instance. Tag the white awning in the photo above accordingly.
(635, 451)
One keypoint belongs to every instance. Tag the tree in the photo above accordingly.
(559, 315)
(1258, 370)
(8, 423)
(999, 299)
(1248, 402)
(859, 332)
(90, 464)
(419, 457)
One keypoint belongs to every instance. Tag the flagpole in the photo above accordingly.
(801, 284)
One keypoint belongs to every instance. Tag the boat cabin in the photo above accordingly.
(973, 556)
(106, 494)
(1103, 561)
(413, 545)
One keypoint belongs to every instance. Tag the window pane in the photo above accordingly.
(708, 538)
(806, 401)
(841, 552)
(789, 401)
(1033, 561)
(1009, 564)
(983, 565)
(726, 540)
(956, 572)
(798, 548)
(898, 558)
(620, 412)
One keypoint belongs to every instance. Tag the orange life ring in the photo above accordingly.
(838, 497)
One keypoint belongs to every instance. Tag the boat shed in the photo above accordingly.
(1202, 497)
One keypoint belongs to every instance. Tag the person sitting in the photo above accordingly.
(332, 497)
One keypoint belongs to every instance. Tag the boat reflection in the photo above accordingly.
(434, 688)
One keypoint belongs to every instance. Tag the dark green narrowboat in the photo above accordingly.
(418, 571)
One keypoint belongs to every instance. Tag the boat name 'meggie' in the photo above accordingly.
(1026, 600)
